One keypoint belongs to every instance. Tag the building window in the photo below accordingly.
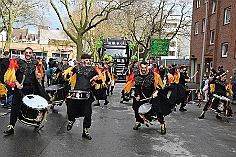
(213, 6)
(227, 15)
(198, 3)
(203, 25)
(196, 28)
(171, 53)
(212, 37)
(224, 49)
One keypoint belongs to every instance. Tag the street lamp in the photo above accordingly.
(204, 43)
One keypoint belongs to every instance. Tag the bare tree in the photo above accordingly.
(150, 19)
(87, 19)
(20, 13)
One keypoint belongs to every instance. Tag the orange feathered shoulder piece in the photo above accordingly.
(100, 74)
(10, 75)
(177, 77)
(130, 83)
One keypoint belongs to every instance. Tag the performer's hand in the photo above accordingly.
(154, 95)
(138, 98)
(95, 78)
(70, 73)
(19, 86)
(38, 75)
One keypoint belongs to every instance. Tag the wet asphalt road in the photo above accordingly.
(113, 135)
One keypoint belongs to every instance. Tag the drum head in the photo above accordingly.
(35, 101)
(144, 108)
(55, 87)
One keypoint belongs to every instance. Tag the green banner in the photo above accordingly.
(159, 47)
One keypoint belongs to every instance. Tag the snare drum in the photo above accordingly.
(33, 110)
(146, 112)
(79, 95)
(56, 92)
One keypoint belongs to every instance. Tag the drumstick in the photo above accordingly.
(23, 80)
(194, 75)
(224, 73)
(146, 99)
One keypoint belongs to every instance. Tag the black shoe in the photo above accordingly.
(137, 125)
(163, 129)
(218, 116)
(10, 130)
(70, 125)
(201, 117)
(182, 109)
(86, 135)
(98, 104)
(106, 102)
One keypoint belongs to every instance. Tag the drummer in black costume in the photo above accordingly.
(218, 87)
(148, 84)
(25, 83)
(59, 78)
(184, 78)
(85, 74)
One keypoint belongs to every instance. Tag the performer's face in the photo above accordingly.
(28, 54)
(143, 69)
(87, 62)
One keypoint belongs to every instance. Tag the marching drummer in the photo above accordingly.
(25, 79)
(81, 78)
(148, 87)
(218, 89)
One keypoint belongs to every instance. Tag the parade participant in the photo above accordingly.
(101, 85)
(183, 79)
(220, 90)
(62, 66)
(83, 75)
(41, 70)
(233, 83)
(130, 81)
(211, 90)
(113, 73)
(25, 74)
(148, 84)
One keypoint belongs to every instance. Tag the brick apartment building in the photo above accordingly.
(220, 41)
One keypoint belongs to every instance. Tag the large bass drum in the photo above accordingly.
(146, 112)
(33, 110)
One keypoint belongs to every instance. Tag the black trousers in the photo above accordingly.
(80, 108)
(17, 102)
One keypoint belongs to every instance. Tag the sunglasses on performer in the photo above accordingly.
(29, 52)
(87, 60)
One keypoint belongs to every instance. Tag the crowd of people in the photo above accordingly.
(79, 84)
